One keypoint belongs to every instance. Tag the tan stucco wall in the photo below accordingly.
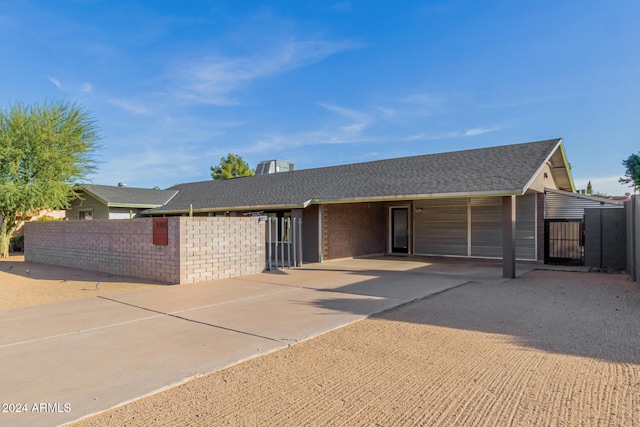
(540, 182)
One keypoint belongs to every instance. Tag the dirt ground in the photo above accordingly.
(549, 348)
(24, 284)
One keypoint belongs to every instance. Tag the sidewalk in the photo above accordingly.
(64, 361)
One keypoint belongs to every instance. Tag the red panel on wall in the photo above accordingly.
(160, 231)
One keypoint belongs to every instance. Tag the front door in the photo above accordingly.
(400, 230)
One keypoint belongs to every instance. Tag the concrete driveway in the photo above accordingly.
(64, 361)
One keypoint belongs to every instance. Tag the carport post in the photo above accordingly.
(509, 237)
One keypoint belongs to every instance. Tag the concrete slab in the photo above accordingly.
(92, 354)
(47, 321)
(294, 315)
(98, 369)
(182, 297)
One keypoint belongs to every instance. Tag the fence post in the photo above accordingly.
(282, 240)
(289, 236)
(299, 244)
(294, 242)
(268, 222)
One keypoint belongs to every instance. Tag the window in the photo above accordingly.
(85, 214)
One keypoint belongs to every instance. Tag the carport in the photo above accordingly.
(482, 203)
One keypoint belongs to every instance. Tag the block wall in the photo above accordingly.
(119, 247)
(199, 248)
(218, 248)
(353, 229)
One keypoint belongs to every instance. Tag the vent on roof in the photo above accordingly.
(273, 166)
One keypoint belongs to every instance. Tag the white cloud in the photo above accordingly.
(55, 82)
(213, 79)
(83, 89)
(481, 130)
(453, 134)
(151, 165)
(360, 120)
(86, 88)
(130, 106)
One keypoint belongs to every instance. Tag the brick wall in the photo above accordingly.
(353, 229)
(199, 248)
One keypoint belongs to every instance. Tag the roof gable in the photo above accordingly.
(128, 197)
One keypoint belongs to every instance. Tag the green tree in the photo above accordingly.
(44, 149)
(232, 166)
(632, 172)
(589, 188)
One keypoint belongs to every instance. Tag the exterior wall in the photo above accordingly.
(124, 213)
(218, 248)
(55, 214)
(199, 248)
(567, 206)
(543, 180)
(100, 210)
(353, 229)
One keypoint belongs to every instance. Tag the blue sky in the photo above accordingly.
(176, 85)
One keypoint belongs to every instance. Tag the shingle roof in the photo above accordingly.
(498, 170)
(129, 197)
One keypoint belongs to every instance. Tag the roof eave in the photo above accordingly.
(585, 196)
(225, 208)
(489, 193)
(133, 206)
(568, 167)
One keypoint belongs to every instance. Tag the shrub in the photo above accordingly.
(48, 218)
(17, 244)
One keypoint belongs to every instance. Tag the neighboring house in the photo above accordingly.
(111, 202)
(54, 215)
(449, 204)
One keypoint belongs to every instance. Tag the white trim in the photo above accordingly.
(546, 160)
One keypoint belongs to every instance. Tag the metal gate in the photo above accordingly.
(284, 243)
(564, 241)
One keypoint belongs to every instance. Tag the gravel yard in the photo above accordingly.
(24, 284)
